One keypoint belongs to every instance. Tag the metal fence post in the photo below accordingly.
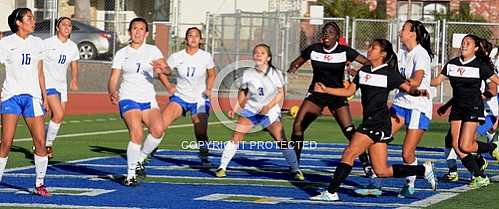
(347, 26)
(444, 52)
(354, 36)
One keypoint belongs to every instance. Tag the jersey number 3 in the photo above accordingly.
(260, 91)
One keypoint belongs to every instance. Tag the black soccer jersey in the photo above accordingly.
(466, 79)
(328, 67)
(375, 84)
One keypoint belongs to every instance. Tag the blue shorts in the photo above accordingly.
(128, 104)
(413, 119)
(486, 126)
(194, 108)
(263, 120)
(22, 104)
(63, 96)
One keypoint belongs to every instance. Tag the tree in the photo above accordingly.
(352, 8)
(82, 10)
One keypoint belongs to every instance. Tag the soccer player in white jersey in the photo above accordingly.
(136, 97)
(23, 91)
(60, 53)
(466, 74)
(195, 76)
(259, 96)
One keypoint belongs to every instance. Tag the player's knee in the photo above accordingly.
(57, 118)
(349, 131)
(408, 157)
(464, 147)
(156, 131)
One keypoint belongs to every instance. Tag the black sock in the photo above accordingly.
(470, 164)
(485, 147)
(407, 170)
(340, 174)
(298, 145)
(480, 161)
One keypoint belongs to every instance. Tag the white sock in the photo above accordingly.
(149, 145)
(52, 130)
(3, 163)
(228, 153)
(41, 164)
(490, 137)
(290, 156)
(132, 156)
(451, 156)
(410, 180)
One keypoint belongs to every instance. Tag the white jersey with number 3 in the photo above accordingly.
(261, 88)
(21, 57)
(58, 57)
(137, 71)
(191, 74)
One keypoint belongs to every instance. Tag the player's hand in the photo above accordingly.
(73, 85)
(171, 89)
(159, 66)
(45, 103)
(207, 94)
(114, 97)
(265, 109)
(319, 87)
(231, 114)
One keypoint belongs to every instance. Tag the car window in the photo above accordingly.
(42, 27)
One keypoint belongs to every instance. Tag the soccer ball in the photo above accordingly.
(293, 111)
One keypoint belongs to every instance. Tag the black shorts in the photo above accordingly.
(326, 100)
(378, 135)
(471, 114)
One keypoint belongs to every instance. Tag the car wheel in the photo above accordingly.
(87, 51)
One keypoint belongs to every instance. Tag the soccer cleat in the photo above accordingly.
(140, 170)
(220, 173)
(369, 190)
(42, 191)
(495, 153)
(429, 175)
(131, 182)
(407, 192)
(298, 175)
(479, 182)
(451, 177)
(326, 196)
(50, 152)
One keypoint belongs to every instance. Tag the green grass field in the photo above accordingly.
(98, 142)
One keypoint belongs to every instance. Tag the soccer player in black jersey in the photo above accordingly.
(375, 81)
(466, 74)
(328, 62)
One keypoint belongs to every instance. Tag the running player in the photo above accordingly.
(328, 62)
(260, 95)
(23, 91)
(60, 53)
(466, 74)
(136, 98)
(375, 83)
(195, 77)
